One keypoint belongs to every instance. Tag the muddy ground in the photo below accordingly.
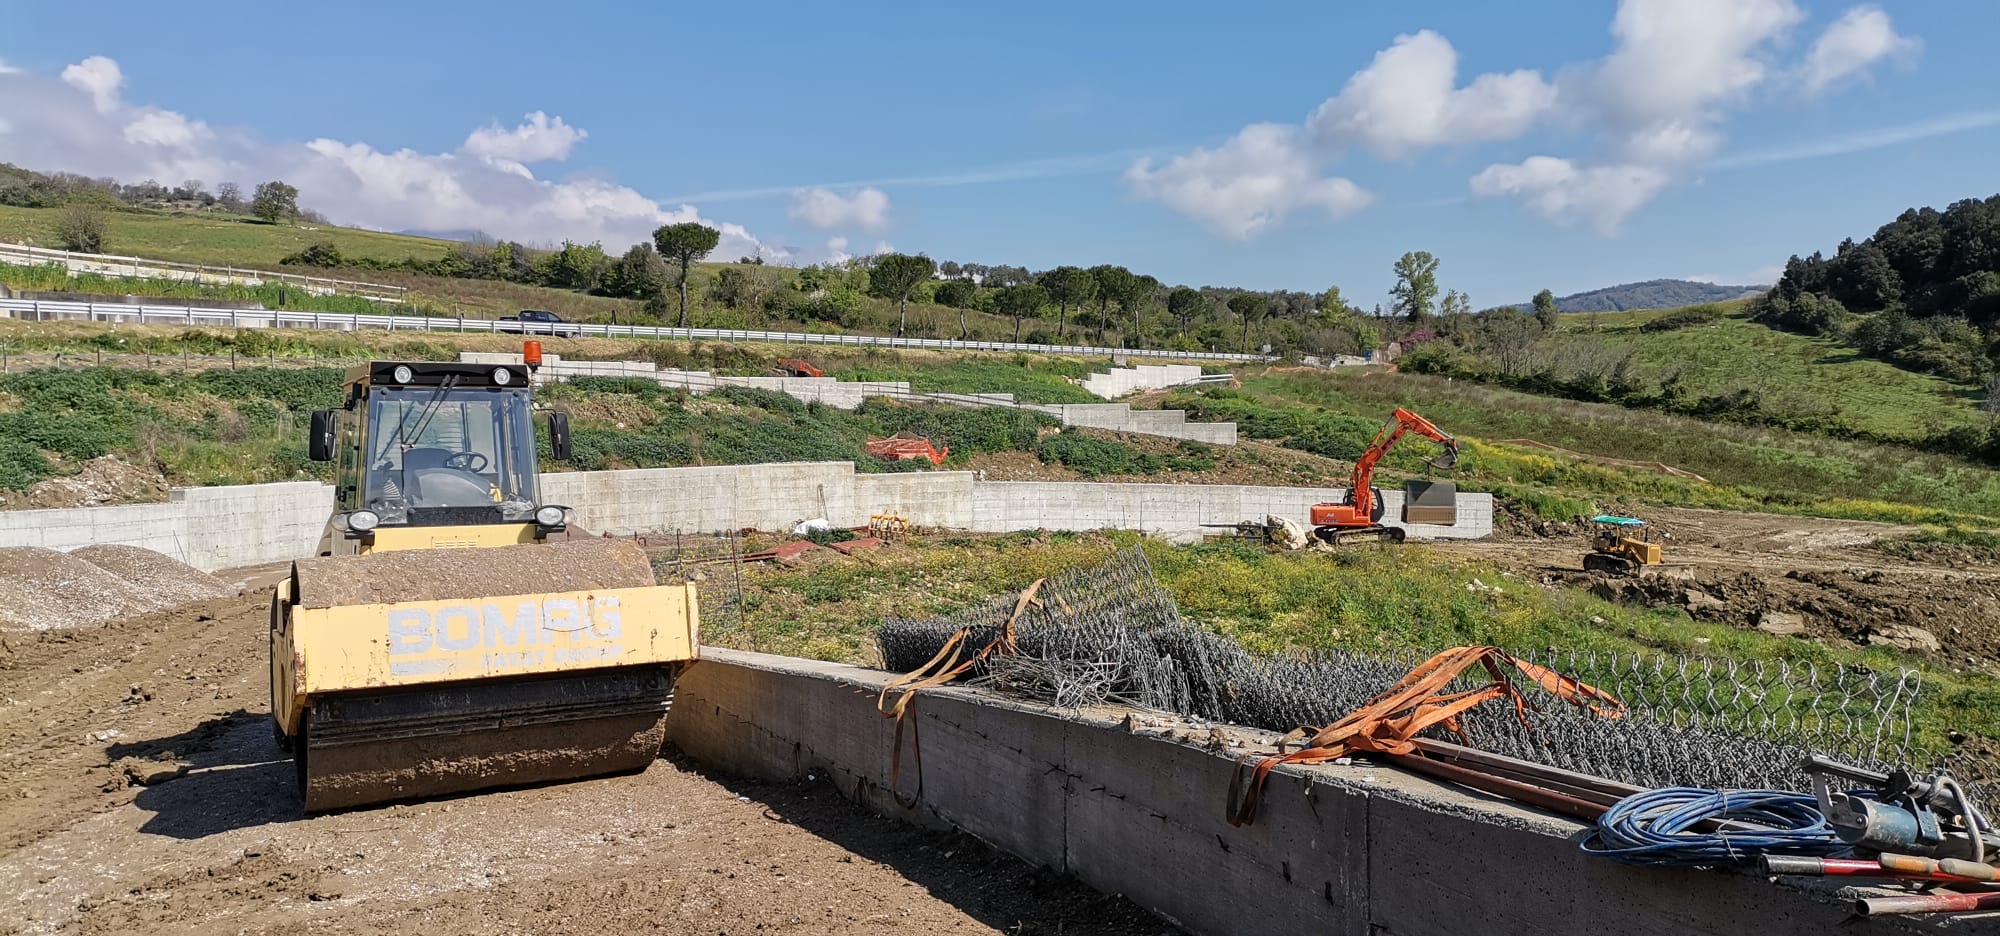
(141, 792)
(1799, 576)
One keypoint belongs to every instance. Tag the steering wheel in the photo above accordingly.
(474, 462)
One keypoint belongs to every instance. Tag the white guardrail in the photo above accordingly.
(193, 316)
(140, 267)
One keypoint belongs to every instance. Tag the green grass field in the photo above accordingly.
(216, 239)
(1734, 353)
(1746, 467)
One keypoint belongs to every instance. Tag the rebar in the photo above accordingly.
(1111, 634)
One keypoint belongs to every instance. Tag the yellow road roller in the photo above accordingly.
(454, 632)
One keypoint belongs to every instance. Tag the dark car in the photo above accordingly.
(538, 322)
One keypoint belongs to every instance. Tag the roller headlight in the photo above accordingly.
(403, 374)
(502, 376)
(361, 521)
(551, 516)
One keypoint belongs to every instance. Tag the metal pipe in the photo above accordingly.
(1501, 786)
(1927, 903)
(1857, 867)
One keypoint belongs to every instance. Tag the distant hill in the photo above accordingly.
(1651, 294)
(463, 235)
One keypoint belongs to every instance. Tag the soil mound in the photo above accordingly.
(42, 589)
(171, 580)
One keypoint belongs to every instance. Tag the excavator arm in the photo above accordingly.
(1360, 508)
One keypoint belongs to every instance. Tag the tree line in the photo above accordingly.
(1922, 292)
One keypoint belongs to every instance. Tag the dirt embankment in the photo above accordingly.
(143, 793)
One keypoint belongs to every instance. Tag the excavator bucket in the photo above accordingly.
(1447, 459)
(402, 675)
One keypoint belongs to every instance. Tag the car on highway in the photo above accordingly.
(539, 322)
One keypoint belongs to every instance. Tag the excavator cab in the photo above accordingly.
(452, 634)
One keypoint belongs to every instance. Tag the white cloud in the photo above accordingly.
(1406, 100)
(1679, 59)
(867, 209)
(836, 250)
(98, 77)
(6, 69)
(80, 125)
(1855, 42)
(883, 247)
(1246, 185)
(539, 139)
(1563, 192)
(166, 128)
(1657, 101)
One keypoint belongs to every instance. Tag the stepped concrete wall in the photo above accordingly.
(849, 394)
(222, 527)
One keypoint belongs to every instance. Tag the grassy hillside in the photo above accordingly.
(1745, 467)
(1794, 372)
(214, 238)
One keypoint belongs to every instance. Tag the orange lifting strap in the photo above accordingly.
(941, 669)
(1387, 722)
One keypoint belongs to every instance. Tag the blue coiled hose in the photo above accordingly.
(1652, 828)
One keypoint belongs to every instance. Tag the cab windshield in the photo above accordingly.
(450, 455)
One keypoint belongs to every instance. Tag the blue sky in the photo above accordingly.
(1575, 144)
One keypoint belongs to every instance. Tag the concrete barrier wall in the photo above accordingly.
(849, 394)
(1120, 381)
(211, 527)
(221, 527)
(1179, 510)
(1353, 850)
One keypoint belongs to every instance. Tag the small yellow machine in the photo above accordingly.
(1621, 546)
(452, 636)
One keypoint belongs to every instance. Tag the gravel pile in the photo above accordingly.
(42, 589)
(171, 580)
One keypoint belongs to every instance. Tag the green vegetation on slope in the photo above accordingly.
(212, 238)
(1792, 374)
(217, 427)
(1402, 600)
(1923, 291)
(1714, 364)
(272, 295)
(1746, 467)
(1031, 379)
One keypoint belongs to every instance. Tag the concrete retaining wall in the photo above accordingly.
(221, 527)
(1120, 381)
(1366, 851)
(849, 394)
(210, 527)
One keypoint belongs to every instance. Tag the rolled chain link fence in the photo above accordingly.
(1111, 634)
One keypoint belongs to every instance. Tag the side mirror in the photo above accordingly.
(559, 435)
(319, 440)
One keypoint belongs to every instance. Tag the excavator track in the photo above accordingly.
(364, 747)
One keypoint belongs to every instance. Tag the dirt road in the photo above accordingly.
(1746, 569)
(142, 793)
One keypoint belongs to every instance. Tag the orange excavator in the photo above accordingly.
(1360, 514)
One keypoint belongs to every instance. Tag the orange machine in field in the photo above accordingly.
(1360, 514)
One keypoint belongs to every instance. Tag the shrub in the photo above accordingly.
(1095, 457)
(81, 227)
(1683, 318)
